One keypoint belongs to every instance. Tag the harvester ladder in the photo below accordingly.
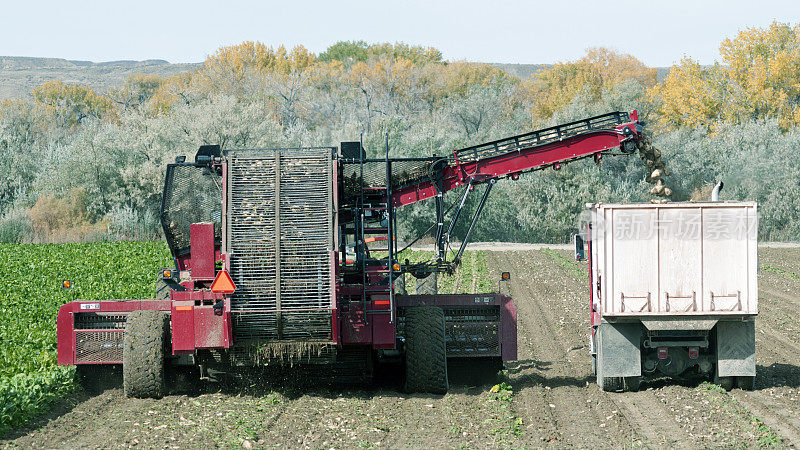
(377, 225)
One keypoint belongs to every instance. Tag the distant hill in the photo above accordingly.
(20, 74)
(526, 70)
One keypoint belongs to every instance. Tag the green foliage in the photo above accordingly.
(777, 271)
(68, 139)
(25, 395)
(32, 273)
(353, 51)
(571, 266)
(471, 276)
(728, 405)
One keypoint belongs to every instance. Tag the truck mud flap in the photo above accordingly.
(619, 353)
(736, 349)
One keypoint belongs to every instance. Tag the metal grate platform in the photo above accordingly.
(281, 256)
(98, 346)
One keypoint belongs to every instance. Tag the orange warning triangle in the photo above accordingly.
(223, 284)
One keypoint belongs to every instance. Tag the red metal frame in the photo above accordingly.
(508, 313)
(65, 322)
(196, 324)
(514, 163)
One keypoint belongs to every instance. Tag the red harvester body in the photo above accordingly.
(305, 238)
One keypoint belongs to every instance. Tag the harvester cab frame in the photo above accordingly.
(280, 223)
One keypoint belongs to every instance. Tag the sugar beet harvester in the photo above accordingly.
(289, 255)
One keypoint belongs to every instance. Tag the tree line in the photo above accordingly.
(84, 165)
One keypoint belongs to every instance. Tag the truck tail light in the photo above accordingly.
(694, 352)
(662, 353)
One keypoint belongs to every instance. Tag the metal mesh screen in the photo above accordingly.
(99, 321)
(191, 195)
(541, 137)
(99, 346)
(404, 172)
(280, 260)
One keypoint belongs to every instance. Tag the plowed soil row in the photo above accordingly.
(553, 399)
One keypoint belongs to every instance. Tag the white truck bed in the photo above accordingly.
(675, 259)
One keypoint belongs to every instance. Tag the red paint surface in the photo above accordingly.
(65, 321)
(508, 313)
(202, 247)
(457, 174)
(356, 329)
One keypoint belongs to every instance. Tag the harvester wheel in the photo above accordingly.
(143, 354)
(427, 285)
(426, 351)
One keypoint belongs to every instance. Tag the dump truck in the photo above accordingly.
(673, 292)
(289, 257)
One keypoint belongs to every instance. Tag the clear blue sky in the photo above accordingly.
(658, 33)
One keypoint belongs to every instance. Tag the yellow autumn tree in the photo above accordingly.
(690, 96)
(600, 69)
(229, 66)
(71, 104)
(137, 89)
(758, 78)
(763, 70)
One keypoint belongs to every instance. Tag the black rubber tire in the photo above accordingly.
(746, 383)
(632, 384)
(426, 351)
(725, 382)
(427, 285)
(143, 354)
(610, 384)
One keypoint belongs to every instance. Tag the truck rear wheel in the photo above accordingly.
(610, 384)
(724, 382)
(632, 384)
(746, 383)
(143, 354)
(426, 351)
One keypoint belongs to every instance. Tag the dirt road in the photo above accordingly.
(552, 400)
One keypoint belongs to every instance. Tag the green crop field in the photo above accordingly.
(470, 277)
(31, 277)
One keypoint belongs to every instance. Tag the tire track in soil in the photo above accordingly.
(564, 388)
(780, 295)
(774, 404)
(785, 420)
(662, 415)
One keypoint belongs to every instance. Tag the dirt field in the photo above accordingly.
(552, 401)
